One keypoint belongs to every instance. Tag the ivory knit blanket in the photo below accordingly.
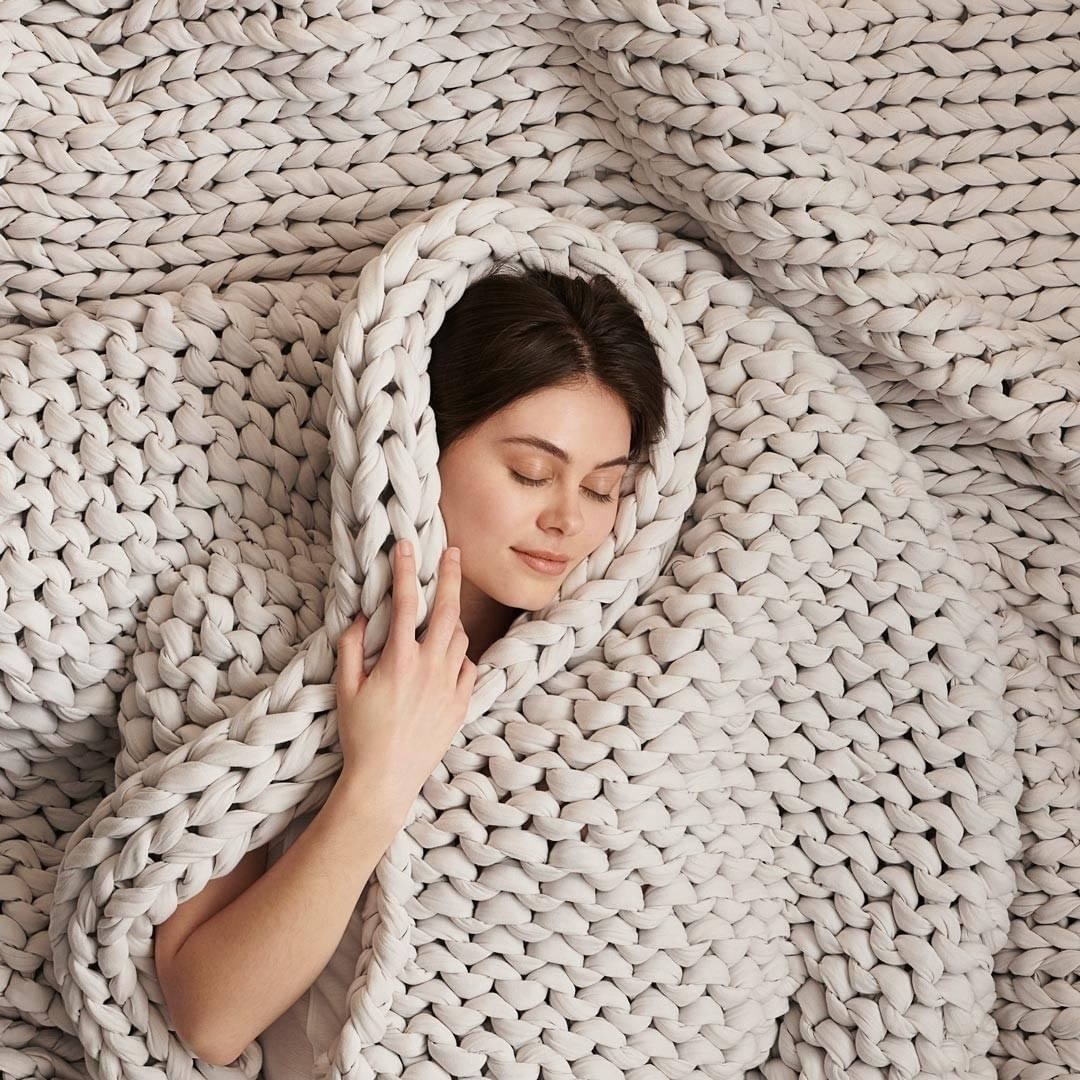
(784, 783)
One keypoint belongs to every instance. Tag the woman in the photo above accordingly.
(546, 390)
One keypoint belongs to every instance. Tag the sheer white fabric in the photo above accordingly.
(297, 1045)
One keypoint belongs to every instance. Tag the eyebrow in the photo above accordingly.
(557, 451)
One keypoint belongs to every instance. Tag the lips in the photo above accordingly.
(547, 556)
(543, 564)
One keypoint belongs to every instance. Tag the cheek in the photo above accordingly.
(481, 506)
(604, 525)
(458, 503)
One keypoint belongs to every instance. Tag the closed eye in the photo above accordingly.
(596, 495)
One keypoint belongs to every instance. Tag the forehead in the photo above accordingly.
(585, 416)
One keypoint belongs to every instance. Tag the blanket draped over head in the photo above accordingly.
(783, 783)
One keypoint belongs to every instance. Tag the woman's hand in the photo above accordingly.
(396, 722)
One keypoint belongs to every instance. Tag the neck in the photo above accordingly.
(485, 620)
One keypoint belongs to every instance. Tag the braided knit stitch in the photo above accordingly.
(784, 782)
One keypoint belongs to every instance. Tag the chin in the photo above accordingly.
(517, 587)
(539, 605)
(527, 599)
(524, 593)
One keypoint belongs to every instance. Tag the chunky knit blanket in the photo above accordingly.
(784, 782)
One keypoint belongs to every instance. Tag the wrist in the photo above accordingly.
(371, 792)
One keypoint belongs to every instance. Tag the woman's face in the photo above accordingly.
(504, 494)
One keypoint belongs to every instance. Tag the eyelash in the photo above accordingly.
(536, 483)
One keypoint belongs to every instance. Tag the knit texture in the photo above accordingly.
(783, 784)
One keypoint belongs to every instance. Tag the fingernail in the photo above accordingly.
(406, 548)
(455, 554)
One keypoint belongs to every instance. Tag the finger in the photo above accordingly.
(350, 654)
(403, 612)
(447, 607)
(457, 648)
(466, 679)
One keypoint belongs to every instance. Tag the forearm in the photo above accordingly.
(242, 968)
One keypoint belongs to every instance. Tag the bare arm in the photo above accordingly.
(234, 957)
(241, 968)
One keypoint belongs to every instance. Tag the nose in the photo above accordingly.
(562, 511)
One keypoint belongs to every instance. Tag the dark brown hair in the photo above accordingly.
(513, 333)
